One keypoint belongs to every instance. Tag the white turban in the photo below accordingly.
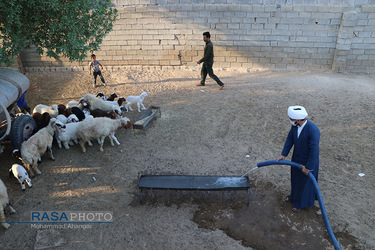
(297, 112)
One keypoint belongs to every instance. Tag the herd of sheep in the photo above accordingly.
(92, 117)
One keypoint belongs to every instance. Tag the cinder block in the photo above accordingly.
(276, 60)
(292, 15)
(260, 20)
(257, 26)
(258, 8)
(370, 40)
(283, 26)
(286, 8)
(368, 8)
(224, 19)
(302, 38)
(369, 52)
(356, 40)
(245, 26)
(270, 8)
(245, 6)
(233, 26)
(251, 16)
(314, 39)
(240, 14)
(265, 60)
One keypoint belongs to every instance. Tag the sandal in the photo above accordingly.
(296, 210)
(287, 199)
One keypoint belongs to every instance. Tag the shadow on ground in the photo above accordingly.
(267, 223)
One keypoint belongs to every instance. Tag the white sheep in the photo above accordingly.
(66, 133)
(104, 105)
(52, 110)
(21, 174)
(37, 145)
(135, 99)
(89, 97)
(100, 127)
(4, 205)
(72, 118)
(86, 112)
(62, 118)
(72, 104)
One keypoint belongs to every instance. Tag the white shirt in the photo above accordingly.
(95, 65)
(300, 129)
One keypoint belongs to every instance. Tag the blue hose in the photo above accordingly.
(320, 199)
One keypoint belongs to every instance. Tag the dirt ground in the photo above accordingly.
(204, 131)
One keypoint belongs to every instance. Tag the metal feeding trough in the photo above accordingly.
(194, 182)
(150, 114)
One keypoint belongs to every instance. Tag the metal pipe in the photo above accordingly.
(320, 199)
(9, 121)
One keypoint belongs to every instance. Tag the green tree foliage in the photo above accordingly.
(67, 28)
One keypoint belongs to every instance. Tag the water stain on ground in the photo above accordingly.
(266, 223)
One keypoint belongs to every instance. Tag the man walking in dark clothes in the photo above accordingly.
(208, 61)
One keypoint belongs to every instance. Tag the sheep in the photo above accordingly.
(72, 118)
(37, 118)
(135, 99)
(100, 128)
(72, 104)
(62, 118)
(66, 133)
(41, 120)
(52, 110)
(102, 113)
(101, 96)
(84, 104)
(21, 174)
(37, 145)
(86, 112)
(103, 105)
(111, 97)
(119, 102)
(80, 104)
(68, 112)
(89, 97)
(4, 205)
(65, 120)
(61, 108)
(79, 113)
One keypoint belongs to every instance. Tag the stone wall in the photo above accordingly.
(268, 34)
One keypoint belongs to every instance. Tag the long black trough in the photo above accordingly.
(194, 182)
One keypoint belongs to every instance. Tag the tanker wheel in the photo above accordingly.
(22, 129)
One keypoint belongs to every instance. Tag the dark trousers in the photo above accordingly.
(207, 69)
(100, 74)
(26, 109)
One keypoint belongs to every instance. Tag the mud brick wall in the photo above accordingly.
(251, 34)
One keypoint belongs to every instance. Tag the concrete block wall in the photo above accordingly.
(253, 34)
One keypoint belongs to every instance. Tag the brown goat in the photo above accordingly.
(68, 112)
(84, 104)
(111, 97)
(61, 108)
(121, 100)
(37, 117)
(102, 113)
